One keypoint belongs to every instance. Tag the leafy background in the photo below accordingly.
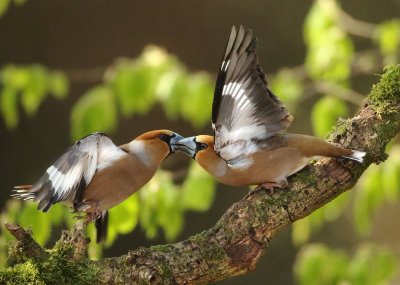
(71, 68)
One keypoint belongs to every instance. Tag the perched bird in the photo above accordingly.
(95, 175)
(246, 148)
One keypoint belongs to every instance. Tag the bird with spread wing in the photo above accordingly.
(95, 175)
(246, 148)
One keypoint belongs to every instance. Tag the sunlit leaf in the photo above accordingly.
(378, 184)
(302, 229)
(311, 267)
(330, 50)
(369, 197)
(58, 84)
(123, 218)
(316, 264)
(171, 90)
(15, 77)
(325, 114)
(35, 90)
(95, 111)
(391, 175)
(4, 6)
(39, 222)
(198, 189)
(9, 106)
(196, 105)
(388, 38)
(19, 2)
(95, 251)
(288, 87)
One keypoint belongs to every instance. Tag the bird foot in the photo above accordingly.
(269, 185)
(92, 215)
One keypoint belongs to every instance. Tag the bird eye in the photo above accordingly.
(203, 146)
(164, 137)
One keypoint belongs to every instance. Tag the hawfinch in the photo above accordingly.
(246, 148)
(95, 175)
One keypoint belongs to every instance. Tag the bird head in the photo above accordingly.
(162, 141)
(154, 146)
(197, 146)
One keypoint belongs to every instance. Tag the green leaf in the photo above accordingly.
(4, 6)
(288, 86)
(368, 198)
(388, 38)
(325, 114)
(15, 77)
(35, 90)
(9, 107)
(39, 222)
(171, 91)
(196, 105)
(58, 84)
(19, 2)
(198, 189)
(316, 264)
(303, 228)
(95, 111)
(330, 50)
(391, 175)
(123, 218)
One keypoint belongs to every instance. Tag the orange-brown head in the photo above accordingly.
(154, 146)
(201, 148)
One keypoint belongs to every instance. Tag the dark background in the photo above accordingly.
(72, 35)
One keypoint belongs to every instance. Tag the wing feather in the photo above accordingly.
(245, 110)
(71, 173)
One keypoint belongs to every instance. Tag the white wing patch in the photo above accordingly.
(108, 154)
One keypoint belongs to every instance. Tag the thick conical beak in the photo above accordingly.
(187, 145)
(174, 140)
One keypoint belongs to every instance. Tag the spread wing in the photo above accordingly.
(68, 177)
(244, 111)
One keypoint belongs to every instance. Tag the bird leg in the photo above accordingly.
(270, 186)
(92, 215)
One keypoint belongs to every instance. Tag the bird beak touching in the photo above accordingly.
(174, 140)
(187, 145)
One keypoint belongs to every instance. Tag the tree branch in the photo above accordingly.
(234, 245)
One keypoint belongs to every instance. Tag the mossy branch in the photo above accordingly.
(234, 245)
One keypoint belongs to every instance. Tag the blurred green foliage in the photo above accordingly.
(329, 48)
(329, 108)
(134, 86)
(4, 5)
(28, 86)
(388, 38)
(330, 52)
(370, 265)
(379, 184)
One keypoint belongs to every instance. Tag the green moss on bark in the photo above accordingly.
(385, 95)
(53, 267)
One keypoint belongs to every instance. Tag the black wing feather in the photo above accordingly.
(242, 98)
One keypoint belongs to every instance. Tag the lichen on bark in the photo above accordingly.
(234, 245)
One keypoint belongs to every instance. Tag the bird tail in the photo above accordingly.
(101, 225)
(355, 156)
(23, 192)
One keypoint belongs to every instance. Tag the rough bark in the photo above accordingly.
(234, 245)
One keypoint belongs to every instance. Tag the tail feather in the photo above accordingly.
(23, 192)
(355, 156)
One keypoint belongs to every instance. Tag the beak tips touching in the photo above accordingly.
(186, 145)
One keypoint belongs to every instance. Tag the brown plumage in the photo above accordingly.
(246, 148)
(95, 175)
